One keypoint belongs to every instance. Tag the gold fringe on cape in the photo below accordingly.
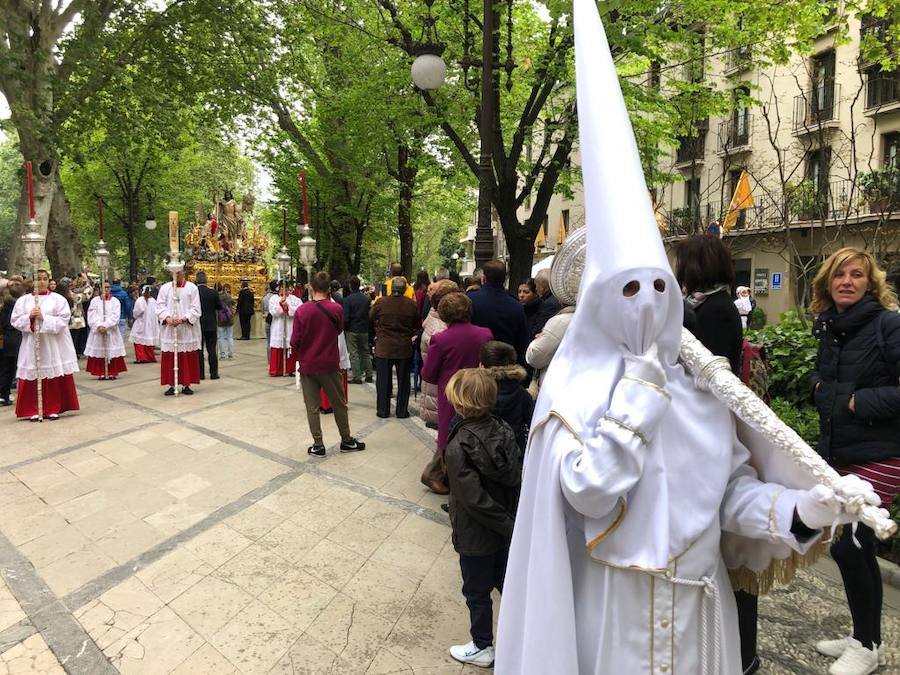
(779, 572)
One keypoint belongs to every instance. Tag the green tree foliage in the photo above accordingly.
(10, 177)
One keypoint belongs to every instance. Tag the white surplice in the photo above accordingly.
(145, 330)
(57, 351)
(109, 345)
(186, 307)
(282, 326)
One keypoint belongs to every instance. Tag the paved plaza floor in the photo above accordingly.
(151, 534)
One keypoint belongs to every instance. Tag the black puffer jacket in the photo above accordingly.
(484, 469)
(850, 362)
(514, 404)
(12, 338)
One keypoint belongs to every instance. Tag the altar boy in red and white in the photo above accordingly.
(178, 311)
(282, 308)
(47, 318)
(105, 348)
(145, 331)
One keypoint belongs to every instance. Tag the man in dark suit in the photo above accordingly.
(494, 308)
(210, 304)
(245, 308)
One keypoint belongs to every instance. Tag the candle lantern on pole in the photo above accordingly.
(307, 244)
(33, 247)
(101, 260)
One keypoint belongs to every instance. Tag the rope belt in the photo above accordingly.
(710, 641)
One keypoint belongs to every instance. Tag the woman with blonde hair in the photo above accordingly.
(855, 388)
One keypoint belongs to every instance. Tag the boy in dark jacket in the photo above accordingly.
(514, 404)
(484, 472)
(12, 338)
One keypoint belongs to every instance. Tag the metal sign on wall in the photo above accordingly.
(761, 281)
(776, 281)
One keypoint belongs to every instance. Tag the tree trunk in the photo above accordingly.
(63, 248)
(406, 175)
(130, 235)
(521, 256)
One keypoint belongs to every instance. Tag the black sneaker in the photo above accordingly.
(317, 450)
(170, 391)
(352, 445)
(187, 391)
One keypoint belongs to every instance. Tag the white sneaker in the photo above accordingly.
(856, 660)
(836, 648)
(469, 653)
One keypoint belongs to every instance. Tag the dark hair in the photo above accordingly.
(494, 271)
(354, 283)
(334, 285)
(201, 277)
(496, 353)
(396, 269)
(117, 281)
(454, 308)
(320, 282)
(531, 285)
(703, 262)
(422, 281)
(273, 285)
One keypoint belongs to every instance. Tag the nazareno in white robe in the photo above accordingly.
(187, 307)
(145, 330)
(111, 344)
(58, 356)
(282, 324)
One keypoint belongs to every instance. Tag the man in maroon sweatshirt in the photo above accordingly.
(317, 324)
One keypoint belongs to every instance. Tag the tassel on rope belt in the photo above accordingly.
(710, 640)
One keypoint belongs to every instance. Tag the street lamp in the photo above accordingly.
(429, 69)
(150, 223)
(101, 259)
(307, 250)
(283, 261)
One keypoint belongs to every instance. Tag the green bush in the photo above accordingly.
(802, 419)
(791, 351)
(757, 318)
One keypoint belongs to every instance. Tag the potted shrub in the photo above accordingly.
(880, 189)
(805, 201)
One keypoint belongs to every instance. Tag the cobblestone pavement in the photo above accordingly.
(148, 534)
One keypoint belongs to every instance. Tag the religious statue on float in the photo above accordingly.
(224, 234)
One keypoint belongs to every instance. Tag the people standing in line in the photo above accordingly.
(484, 468)
(441, 274)
(395, 321)
(145, 329)
(225, 322)
(855, 389)
(282, 307)
(495, 309)
(81, 295)
(549, 303)
(264, 306)
(180, 329)
(514, 404)
(474, 282)
(125, 303)
(356, 329)
(420, 290)
(316, 327)
(744, 305)
(210, 305)
(105, 348)
(531, 302)
(245, 308)
(49, 316)
(335, 292)
(396, 270)
(12, 338)
(458, 346)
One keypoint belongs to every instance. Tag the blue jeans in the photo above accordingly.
(226, 337)
(123, 324)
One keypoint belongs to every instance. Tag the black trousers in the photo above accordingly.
(209, 342)
(748, 616)
(862, 582)
(384, 386)
(245, 326)
(481, 574)
(8, 360)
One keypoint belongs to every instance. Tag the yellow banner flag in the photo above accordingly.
(660, 217)
(561, 235)
(539, 239)
(742, 199)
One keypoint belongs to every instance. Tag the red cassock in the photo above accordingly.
(277, 362)
(59, 396)
(97, 368)
(144, 353)
(188, 368)
(323, 398)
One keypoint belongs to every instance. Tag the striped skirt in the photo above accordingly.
(884, 477)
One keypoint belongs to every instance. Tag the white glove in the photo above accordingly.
(645, 367)
(823, 507)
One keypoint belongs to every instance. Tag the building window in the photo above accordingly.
(565, 220)
(881, 88)
(693, 148)
(742, 272)
(733, 177)
(814, 202)
(692, 194)
(822, 98)
(892, 150)
(695, 66)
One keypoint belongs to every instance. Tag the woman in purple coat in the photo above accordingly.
(457, 347)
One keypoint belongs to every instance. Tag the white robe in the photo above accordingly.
(187, 307)
(615, 565)
(280, 324)
(145, 330)
(109, 345)
(57, 351)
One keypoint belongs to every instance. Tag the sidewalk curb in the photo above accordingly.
(890, 573)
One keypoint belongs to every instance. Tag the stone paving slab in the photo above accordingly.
(149, 534)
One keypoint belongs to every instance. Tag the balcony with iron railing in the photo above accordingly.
(735, 134)
(817, 108)
(691, 149)
(738, 59)
(882, 89)
(837, 202)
